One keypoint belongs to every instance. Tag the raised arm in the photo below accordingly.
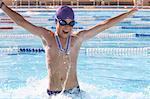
(91, 32)
(18, 19)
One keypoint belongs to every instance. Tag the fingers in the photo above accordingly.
(1, 2)
(137, 2)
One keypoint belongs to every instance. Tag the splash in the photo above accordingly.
(68, 62)
(36, 89)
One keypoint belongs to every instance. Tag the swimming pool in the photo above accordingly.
(112, 65)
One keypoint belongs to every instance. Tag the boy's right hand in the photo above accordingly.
(1, 2)
(137, 3)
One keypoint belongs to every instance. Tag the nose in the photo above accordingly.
(67, 27)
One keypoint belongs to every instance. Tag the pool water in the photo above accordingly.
(102, 73)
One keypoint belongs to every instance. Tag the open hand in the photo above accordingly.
(137, 3)
(1, 3)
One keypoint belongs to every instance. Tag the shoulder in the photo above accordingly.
(47, 34)
(51, 33)
(78, 35)
(48, 38)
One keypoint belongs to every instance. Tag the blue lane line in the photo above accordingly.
(145, 19)
(142, 35)
(32, 50)
(141, 16)
(133, 27)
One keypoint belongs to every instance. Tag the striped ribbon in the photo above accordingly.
(63, 50)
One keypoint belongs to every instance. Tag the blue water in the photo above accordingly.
(101, 76)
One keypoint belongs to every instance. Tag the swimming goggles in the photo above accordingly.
(63, 22)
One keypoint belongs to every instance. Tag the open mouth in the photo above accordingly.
(65, 32)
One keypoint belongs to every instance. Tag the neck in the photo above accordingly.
(60, 44)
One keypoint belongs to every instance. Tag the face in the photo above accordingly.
(64, 27)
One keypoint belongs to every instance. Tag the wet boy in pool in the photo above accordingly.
(63, 45)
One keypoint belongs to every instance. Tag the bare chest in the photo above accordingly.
(55, 57)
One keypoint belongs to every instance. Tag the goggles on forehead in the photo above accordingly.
(63, 22)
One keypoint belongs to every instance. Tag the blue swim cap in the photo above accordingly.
(64, 12)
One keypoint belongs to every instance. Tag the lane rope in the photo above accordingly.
(88, 51)
(101, 35)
